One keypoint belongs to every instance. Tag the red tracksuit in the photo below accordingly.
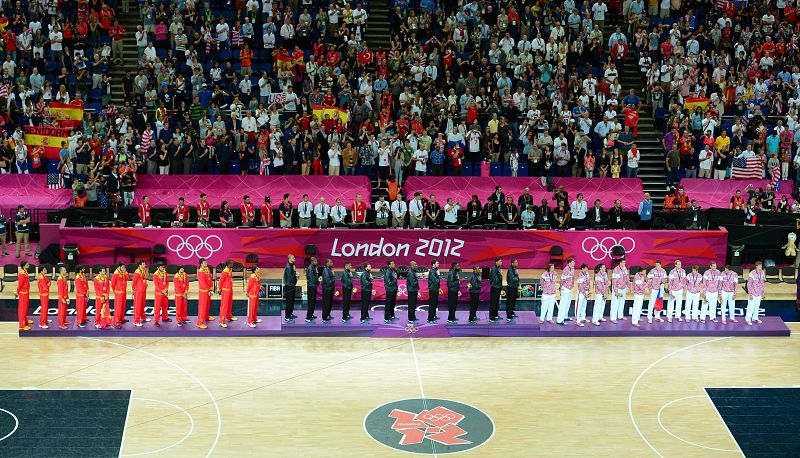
(63, 300)
(226, 296)
(139, 295)
(119, 284)
(81, 296)
(44, 297)
(181, 283)
(102, 313)
(24, 293)
(253, 288)
(205, 283)
(161, 283)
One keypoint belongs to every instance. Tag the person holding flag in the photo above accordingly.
(567, 283)
(161, 299)
(639, 289)
(140, 294)
(601, 287)
(81, 296)
(253, 290)
(694, 282)
(728, 283)
(205, 284)
(43, 284)
(755, 293)
(620, 281)
(181, 285)
(102, 288)
(23, 294)
(119, 284)
(63, 297)
(676, 281)
(656, 279)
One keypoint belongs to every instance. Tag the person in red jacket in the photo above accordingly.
(139, 294)
(266, 213)
(102, 288)
(161, 301)
(359, 210)
(23, 293)
(205, 283)
(253, 288)
(632, 120)
(63, 297)
(181, 213)
(203, 211)
(248, 211)
(43, 282)
(181, 284)
(144, 212)
(81, 296)
(119, 284)
(226, 295)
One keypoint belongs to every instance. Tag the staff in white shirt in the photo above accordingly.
(451, 209)
(338, 213)
(304, 211)
(322, 211)
(381, 212)
(399, 209)
(578, 208)
(416, 210)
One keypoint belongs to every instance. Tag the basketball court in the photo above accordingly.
(323, 397)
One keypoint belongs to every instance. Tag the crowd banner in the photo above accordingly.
(69, 115)
(376, 246)
(692, 103)
(379, 289)
(275, 97)
(335, 113)
(48, 138)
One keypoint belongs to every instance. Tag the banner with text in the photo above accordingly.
(48, 139)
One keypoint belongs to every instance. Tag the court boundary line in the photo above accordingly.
(16, 425)
(192, 376)
(661, 424)
(421, 389)
(642, 374)
(125, 425)
(723, 420)
(182, 440)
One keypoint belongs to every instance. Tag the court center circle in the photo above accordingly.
(14, 429)
(429, 426)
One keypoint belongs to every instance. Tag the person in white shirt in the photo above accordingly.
(451, 209)
(334, 161)
(222, 30)
(322, 211)
(578, 208)
(706, 158)
(420, 159)
(304, 211)
(417, 211)
(338, 213)
(399, 209)
(382, 212)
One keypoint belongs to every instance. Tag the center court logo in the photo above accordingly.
(600, 249)
(194, 246)
(429, 426)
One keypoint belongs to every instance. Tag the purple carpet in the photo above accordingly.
(525, 325)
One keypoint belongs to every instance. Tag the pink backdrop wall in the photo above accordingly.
(715, 193)
(32, 192)
(469, 247)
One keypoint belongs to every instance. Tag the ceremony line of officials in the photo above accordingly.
(117, 287)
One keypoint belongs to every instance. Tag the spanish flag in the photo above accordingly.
(67, 114)
(49, 138)
(323, 112)
(691, 103)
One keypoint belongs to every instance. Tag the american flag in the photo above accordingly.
(746, 168)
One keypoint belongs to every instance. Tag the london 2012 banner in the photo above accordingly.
(468, 247)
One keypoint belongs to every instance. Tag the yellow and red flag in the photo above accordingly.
(49, 138)
(323, 112)
(691, 103)
(67, 114)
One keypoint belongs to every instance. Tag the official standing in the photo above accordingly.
(390, 284)
(181, 285)
(347, 291)
(23, 294)
(289, 284)
(119, 284)
(755, 292)
(145, 208)
(474, 293)
(694, 283)
(312, 280)
(43, 284)
(328, 289)
(253, 290)
(63, 297)
(620, 281)
(676, 283)
(22, 229)
(496, 287)
(453, 285)
(512, 289)
(366, 292)
(412, 285)
(204, 283)
(81, 296)
(567, 283)
(161, 296)
(548, 282)
(102, 289)
(434, 284)
(139, 294)
(304, 211)
(226, 295)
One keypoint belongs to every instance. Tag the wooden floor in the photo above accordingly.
(298, 397)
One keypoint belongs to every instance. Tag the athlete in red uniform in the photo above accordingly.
(43, 282)
(81, 296)
(119, 284)
(63, 297)
(226, 295)
(161, 302)
(139, 294)
(102, 288)
(253, 288)
(181, 283)
(205, 284)
(24, 294)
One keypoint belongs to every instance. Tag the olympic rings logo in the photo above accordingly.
(439, 417)
(194, 246)
(601, 249)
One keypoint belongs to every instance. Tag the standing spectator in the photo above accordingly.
(22, 228)
(645, 212)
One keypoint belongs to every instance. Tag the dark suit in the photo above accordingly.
(453, 282)
(328, 288)
(289, 283)
(496, 285)
(512, 290)
(412, 282)
(366, 293)
(474, 295)
(615, 218)
(434, 281)
(390, 282)
(544, 216)
(347, 292)
(596, 216)
(312, 277)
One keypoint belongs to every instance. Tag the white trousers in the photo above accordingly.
(563, 304)
(752, 309)
(580, 307)
(636, 311)
(710, 306)
(618, 304)
(651, 304)
(599, 308)
(727, 301)
(674, 304)
(692, 304)
(548, 303)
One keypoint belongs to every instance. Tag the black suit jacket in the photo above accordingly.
(596, 216)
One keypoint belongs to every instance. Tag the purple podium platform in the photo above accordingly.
(525, 325)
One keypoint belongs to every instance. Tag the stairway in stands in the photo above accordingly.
(130, 59)
(651, 165)
(378, 34)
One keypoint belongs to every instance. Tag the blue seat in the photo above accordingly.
(468, 169)
(522, 170)
(496, 169)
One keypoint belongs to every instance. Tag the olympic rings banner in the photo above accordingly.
(360, 246)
